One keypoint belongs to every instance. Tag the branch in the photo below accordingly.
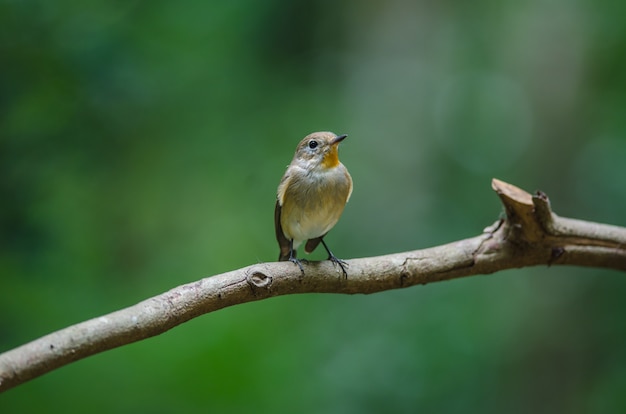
(531, 234)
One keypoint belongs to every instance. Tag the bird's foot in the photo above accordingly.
(298, 262)
(342, 264)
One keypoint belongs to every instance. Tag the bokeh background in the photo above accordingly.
(141, 143)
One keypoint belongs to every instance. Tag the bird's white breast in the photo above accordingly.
(313, 202)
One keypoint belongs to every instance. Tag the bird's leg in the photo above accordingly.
(335, 260)
(293, 258)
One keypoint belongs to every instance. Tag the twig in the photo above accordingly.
(531, 234)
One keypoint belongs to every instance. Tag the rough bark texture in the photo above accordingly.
(530, 234)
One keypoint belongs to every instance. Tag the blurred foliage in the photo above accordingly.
(141, 144)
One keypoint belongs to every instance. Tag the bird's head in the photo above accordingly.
(319, 150)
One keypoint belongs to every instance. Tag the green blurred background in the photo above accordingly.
(141, 144)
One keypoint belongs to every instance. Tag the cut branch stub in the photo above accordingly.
(523, 224)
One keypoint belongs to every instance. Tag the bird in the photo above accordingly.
(311, 196)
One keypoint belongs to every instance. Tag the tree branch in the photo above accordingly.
(531, 234)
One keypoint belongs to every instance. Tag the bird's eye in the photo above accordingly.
(313, 144)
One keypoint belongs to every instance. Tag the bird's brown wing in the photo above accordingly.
(283, 242)
(311, 244)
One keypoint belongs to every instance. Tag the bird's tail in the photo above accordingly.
(283, 256)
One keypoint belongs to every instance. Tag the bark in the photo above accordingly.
(530, 234)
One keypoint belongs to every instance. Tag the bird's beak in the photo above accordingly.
(338, 139)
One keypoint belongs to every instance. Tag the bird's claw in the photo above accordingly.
(297, 262)
(342, 264)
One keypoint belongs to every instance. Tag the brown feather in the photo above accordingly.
(311, 244)
(283, 242)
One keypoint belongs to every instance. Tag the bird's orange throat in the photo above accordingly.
(331, 158)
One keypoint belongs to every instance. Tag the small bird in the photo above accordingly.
(311, 197)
